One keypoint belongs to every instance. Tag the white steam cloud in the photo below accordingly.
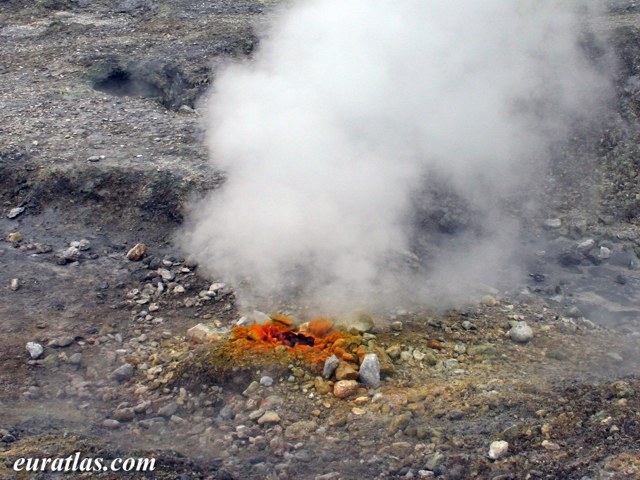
(346, 113)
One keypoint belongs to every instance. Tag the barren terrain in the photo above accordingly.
(101, 144)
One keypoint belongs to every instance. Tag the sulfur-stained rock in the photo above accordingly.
(137, 252)
(346, 371)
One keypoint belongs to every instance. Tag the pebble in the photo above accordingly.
(521, 332)
(123, 373)
(396, 326)
(34, 349)
(61, 342)
(137, 252)
(124, 414)
(552, 223)
(168, 410)
(71, 254)
(111, 424)
(15, 284)
(14, 212)
(166, 275)
(269, 417)
(370, 371)
(266, 381)
(498, 449)
(585, 246)
(345, 388)
(76, 358)
(418, 355)
(330, 366)
(467, 325)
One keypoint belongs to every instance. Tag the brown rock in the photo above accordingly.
(137, 252)
(346, 371)
(345, 388)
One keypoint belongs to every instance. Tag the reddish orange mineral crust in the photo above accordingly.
(314, 344)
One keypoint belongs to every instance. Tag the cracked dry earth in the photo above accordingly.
(120, 377)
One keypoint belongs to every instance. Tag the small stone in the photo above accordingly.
(202, 333)
(61, 342)
(84, 245)
(14, 237)
(111, 424)
(394, 352)
(467, 325)
(269, 417)
(14, 212)
(94, 158)
(124, 414)
(266, 381)
(34, 349)
(167, 275)
(396, 326)
(71, 254)
(137, 252)
(345, 388)
(123, 373)
(548, 445)
(498, 449)
(521, 332)
(585, 246)
(370, 371)
(76, 358)
(15, 284)
(330, 366)
(551, 223)
(418, 355)
(168, 410)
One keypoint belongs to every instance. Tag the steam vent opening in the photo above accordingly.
(122, 83)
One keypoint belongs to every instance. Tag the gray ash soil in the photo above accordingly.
(101, 140)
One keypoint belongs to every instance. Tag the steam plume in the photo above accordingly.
(349, 110)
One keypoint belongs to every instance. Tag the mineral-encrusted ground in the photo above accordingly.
(101, 148)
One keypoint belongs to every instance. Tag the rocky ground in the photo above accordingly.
(101, 148)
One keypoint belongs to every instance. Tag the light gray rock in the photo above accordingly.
(552, 223)
(370, 371)
(396, 326)
(330, 366)
(34, 349)
(266, 381)
(498, 449)
(111, 424)
(521, 332)
(14, 212)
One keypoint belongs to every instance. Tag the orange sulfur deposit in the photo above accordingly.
(314, 342)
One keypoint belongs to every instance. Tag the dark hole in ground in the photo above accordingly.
(123, 84)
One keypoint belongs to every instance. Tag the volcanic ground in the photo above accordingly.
(101, 148)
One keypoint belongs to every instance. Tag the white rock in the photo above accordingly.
(418, 355)
(15, 284)
(498, 449)
(521, 333)
(553, 223)
(14, 212)
(34, 349)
